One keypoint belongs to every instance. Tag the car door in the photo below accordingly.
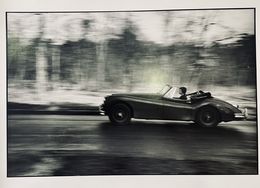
(148, 108)
(177, 109)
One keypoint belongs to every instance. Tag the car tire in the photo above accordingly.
(208, 117)
(120, 114)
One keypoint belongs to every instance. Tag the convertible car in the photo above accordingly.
(171, 104)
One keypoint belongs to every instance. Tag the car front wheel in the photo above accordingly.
(208, 117)
(120, 114)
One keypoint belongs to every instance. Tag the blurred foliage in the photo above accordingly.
(126, 61)
(77, 61)
(126, 45)
(21, 60)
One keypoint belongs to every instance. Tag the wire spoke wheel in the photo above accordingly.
(120, 114)
(208, 117)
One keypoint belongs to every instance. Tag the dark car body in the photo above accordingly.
(158, 106)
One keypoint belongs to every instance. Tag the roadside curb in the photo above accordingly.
(55, 109)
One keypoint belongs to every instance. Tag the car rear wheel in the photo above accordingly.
(120, 114)
(208, 117)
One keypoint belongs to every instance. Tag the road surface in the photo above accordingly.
(56, 145)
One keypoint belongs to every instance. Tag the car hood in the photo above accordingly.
(138, 95)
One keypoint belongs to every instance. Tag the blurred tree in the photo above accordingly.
(86, 24)
(55, 65)
(41, 58)
(100, 54)
(15, 59)
(237, 60)
(78, 62)
(128, 48)
(85, 55)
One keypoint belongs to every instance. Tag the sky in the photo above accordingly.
(161, 27)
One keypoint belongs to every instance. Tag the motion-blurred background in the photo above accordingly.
(58, 58)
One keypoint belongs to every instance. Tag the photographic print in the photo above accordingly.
(158, 92)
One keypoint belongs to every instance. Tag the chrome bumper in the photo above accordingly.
(243, 115)
(101, 109)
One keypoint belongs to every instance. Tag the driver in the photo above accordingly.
(182, 92)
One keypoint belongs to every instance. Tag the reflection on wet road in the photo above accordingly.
(50, 145)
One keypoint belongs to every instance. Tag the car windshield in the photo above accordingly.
(173, 92)
(169, 92)
(164, 90)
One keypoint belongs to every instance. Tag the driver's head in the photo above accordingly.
(182, 90)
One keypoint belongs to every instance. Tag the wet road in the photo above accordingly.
(55, 145)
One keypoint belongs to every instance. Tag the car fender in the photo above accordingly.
(225, 110)
(112, 101)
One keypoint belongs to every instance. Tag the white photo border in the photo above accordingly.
(238, 181)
